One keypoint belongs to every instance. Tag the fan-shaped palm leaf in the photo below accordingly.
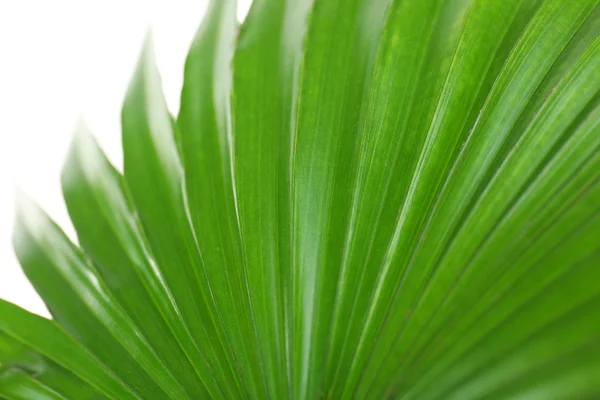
(358, 199)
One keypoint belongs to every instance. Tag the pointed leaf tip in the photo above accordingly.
(28, 212)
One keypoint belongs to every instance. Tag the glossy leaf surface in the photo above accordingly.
(358, 199)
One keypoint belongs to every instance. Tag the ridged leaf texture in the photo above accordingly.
(359, 199)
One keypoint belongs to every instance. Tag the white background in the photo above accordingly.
(62, 59)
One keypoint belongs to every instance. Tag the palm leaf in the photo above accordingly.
(358, 199)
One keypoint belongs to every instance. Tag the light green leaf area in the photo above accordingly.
(358, 199)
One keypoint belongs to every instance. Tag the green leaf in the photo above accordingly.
(521, 74)
(60, 273)
(18, 362)
(154, 174)
(16, 385)
(109, 232)
(359, 199)
(325, 147)
(36, 343)
(205, 135)
(265, 80)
